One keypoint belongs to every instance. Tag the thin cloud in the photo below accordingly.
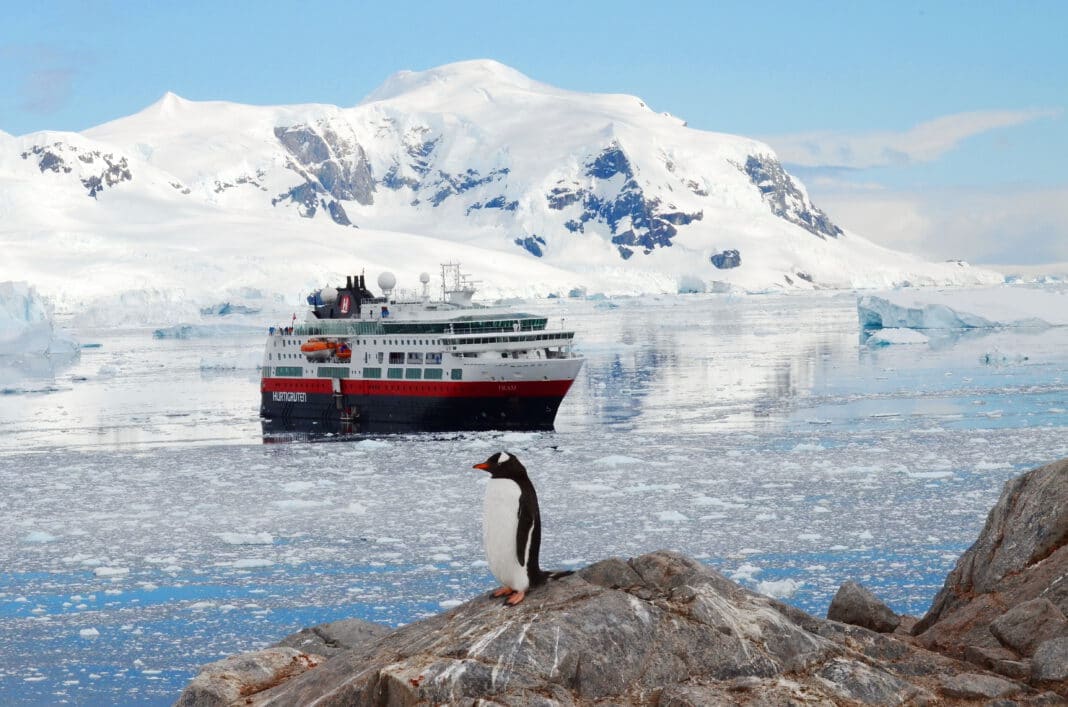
(1016, 226)
(46, 75)
(925, 142)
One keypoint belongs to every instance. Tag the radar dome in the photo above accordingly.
(424, 277)
(387, 281)
(329, 295)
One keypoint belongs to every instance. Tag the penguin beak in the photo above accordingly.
(484, 466)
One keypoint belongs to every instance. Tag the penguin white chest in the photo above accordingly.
(500, 524)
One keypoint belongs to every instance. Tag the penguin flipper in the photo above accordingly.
(527, 534)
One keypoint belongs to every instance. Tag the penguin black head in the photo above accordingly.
(503, 465)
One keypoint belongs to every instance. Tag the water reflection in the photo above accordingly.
(34, 374)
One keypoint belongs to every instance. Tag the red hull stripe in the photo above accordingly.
(430, 389)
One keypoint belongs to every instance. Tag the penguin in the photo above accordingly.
(511, 528)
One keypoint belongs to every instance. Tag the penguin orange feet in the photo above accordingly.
(503, 591)
(516, 598)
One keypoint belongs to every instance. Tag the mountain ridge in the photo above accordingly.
(589, 190)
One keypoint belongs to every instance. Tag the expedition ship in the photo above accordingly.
(361, 363)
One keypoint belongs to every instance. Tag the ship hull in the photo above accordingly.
(391, 407)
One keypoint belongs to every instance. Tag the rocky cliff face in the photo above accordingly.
(95, 169)
(1005, 602)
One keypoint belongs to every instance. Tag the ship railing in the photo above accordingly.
(541, 338)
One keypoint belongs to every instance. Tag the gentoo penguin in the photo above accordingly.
(511, 528)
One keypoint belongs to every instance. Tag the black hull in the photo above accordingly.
(393, 414)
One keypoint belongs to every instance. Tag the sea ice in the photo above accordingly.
(778, 588)
(246, 538)
(39, 536)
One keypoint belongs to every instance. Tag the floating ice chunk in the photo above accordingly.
(89, 633)
(39, 536)
(371, 444)
(298, 503)
(252, 562)
(779, 588)
(517, 437)
(930, 474)
(617, 460)
(246, 538)
(671, 516)
(449, 603)
(1004, 306)
(745, 572)
(703, 500)
(111, 571)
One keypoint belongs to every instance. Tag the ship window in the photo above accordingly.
(433, 358)
(380, 356)
(333, 372)
(432, 374)
(396, 357)
(372, 372)
(415, 358)
(457, 374)
(413, 373)
(395, 373)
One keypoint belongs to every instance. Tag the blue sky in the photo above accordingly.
(938, 127)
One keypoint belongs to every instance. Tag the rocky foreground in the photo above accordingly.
(663, 629)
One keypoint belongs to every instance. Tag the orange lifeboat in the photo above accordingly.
(318, 349)
(344, 353)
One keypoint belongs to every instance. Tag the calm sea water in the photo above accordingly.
(150, 528)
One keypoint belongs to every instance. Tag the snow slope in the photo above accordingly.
(535, 189)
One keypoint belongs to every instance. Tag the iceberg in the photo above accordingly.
(26, 324)
(992, 307)
(888, 337)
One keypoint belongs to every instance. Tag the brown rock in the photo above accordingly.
(854, 604)
(986, 657)
(219, 684)
(1021, 554)
(1015, 669)
(657, 629)
(977, 686)
(1050, 663)
(1025, 625)
(329, 639)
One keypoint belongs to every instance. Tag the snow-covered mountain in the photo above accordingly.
(535, 189)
